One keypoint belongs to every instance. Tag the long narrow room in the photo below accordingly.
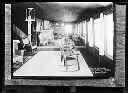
(62, 39)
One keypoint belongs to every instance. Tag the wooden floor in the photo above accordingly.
(48, 60)
(48, 63)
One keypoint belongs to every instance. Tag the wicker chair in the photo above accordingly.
(69, 58)
(17, 56)
(28, 46)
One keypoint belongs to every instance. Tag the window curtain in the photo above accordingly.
(84, 28)
(90, 33)
(81, 29)
(97, 28)
(109, 29)
(38, 25)
(102, 36)
(99, 33)
(85, 31)
(78, 28)
(75, 29)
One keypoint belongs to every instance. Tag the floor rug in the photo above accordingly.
(48, 63)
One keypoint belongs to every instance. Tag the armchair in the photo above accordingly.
(17, 56)
(28, 46)
(69, 58)
(71, 61)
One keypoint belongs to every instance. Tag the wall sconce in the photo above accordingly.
(30, 14)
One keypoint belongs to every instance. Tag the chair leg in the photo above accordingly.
(78, 63)
(64, 63)
(78, 66)
(72, 52)
(77, 58)
(61, 58)
(66, 67)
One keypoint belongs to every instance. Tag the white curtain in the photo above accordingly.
(104, 30)
(85, 31)
(38, 25)
(102, 36)
(109, 28)
(75, 29)
(90, 33)
(78, 28)
(84, 28)
(81, 28)
(97, 30)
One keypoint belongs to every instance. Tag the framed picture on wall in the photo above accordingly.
(46, 24)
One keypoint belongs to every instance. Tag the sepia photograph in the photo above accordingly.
(65, 44)
(63, 39)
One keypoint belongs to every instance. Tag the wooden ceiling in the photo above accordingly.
(61, 11)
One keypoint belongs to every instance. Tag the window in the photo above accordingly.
(78, 29)
(75, 28)
(81, 29)
(97, 29)
(109, 28)
(38, 26)
(90, 35)
(68, 28)
(84, 28)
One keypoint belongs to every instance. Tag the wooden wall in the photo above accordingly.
(120, 11)
(120, 29)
